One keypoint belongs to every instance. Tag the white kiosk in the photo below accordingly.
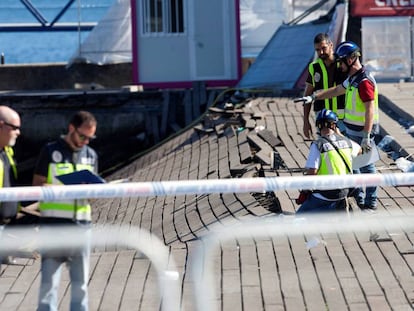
(178, 42)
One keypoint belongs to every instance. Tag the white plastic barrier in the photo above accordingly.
(202, 261)
(68, 237)
(183, 187)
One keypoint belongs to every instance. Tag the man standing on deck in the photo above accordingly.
(9, 131)
(68, 154)
(11, 213)
(323, 73)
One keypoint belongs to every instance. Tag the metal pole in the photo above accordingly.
(79, 29)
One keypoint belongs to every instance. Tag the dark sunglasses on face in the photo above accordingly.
(14, 127)
(83, 137)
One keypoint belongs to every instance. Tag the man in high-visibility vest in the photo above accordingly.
(361, 118)
(9, 131)
(323, 73)
(330, 154)
(68, 154)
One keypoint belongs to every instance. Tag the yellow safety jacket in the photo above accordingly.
(354, 106)
(8, 209)
(334, 161)
(74, 210)
(9, 153)
(320, 81)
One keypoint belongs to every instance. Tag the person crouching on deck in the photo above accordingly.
(330, 154)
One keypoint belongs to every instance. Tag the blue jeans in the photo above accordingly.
(316, 205)
(370, 197)
(51, 269)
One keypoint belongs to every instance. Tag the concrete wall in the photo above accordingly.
(46, 95)
(58, 76)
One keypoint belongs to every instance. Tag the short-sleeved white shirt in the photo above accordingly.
(314, 157)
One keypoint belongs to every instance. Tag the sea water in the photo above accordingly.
(46, 46)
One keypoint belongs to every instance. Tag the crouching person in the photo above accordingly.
(330, 154)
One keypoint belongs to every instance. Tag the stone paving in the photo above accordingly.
(346, 271)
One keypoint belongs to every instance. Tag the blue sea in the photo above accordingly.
(46, 46)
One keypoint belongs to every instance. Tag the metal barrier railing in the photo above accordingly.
(202, 262)
(54, 238)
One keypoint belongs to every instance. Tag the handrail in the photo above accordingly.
(35, 12)
(43, 24)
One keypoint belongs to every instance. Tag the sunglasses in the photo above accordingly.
(14, 127)
(83, 137)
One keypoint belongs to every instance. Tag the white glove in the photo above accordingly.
(366, 145)
(306, 99)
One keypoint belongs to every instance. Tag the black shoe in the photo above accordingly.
(367, 207)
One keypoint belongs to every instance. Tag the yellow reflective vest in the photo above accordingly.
(8, 209)
(9, 153)
(320, 81)
(334, 161)
(60, 160)
(354, 106)
(331, 161)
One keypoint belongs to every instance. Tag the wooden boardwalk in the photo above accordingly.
(346, 271)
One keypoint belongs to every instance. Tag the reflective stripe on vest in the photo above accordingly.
(355, 108)
(331, 162)
(9, 153)
(69, 209)
(339, 112)
(61, 210)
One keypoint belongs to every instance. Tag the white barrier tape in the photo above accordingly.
(57, 238)
(202, 259)
(182, 187)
